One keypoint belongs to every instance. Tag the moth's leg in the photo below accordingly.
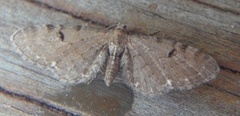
(126, 66)
(90, 73)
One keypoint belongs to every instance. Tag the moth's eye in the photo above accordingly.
(124, 27)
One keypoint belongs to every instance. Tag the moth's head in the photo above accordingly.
(120, 29)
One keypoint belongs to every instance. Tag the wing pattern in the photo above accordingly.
(162, 65)
(149, 65)
(67, 51)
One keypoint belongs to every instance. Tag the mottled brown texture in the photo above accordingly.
(155, 66)
(68, 55)
(156, 71)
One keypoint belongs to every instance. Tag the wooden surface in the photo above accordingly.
(212, 26)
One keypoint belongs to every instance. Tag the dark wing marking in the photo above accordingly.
(68, 51)
(159, 66)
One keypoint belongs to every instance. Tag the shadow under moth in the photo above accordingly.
(147, 64)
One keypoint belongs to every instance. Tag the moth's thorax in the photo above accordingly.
(119, 37)
(117, 42)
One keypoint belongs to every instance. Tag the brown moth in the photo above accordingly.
(147, 64)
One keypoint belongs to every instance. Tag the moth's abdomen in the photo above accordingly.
(112, 69)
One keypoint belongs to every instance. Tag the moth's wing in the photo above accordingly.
(159, 66)
(126, 67)
(67, 51)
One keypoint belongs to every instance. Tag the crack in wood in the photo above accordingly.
(217, 7)
(223, 90)
(229, 69)
(21, 110)
(147, 12)
(44, 5)
(38, 102)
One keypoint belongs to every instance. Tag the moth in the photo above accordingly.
(148, 64)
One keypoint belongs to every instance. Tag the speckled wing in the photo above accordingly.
(162, 65)
(67, 51)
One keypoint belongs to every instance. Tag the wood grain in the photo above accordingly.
(211, 26)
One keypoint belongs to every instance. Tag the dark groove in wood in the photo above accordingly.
(38, 102)
(223, 90)
(40, 4)
(229, 69)
(155, 14)
(217, 7)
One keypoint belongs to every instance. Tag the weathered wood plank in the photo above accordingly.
(19, 107)
(214, 30)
